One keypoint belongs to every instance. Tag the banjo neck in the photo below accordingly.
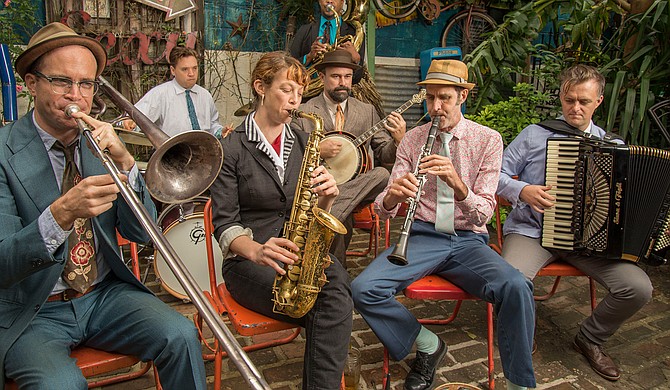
(361, 139)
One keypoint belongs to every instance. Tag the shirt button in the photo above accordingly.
(282, 199)
(281, 213)
(53, 242)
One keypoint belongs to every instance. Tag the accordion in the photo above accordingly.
(611, 200)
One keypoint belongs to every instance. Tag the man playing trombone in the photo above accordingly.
(448, 236)
(63, 280)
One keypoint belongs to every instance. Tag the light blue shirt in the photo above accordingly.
(53, 235)
(525, 157)
(165, 105)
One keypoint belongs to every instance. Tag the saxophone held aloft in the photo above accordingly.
(312, 230)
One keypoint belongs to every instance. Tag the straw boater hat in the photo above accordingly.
(337, 58)
(53, 36)
(447, 72)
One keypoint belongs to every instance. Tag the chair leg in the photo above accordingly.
(551, 293)
(592, 290)
(489, 320)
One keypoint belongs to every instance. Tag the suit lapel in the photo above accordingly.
(30, 163)
(321, 106)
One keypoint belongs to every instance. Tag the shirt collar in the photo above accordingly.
(459, 130)
(332, 106)
(178, 89)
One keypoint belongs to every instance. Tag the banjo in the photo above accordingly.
(353, 159)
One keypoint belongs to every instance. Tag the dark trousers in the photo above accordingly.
(327, 325)
(118, 317)
(468, 262)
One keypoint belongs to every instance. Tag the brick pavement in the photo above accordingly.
(641, 347)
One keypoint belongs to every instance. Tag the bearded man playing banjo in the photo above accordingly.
(358, 179)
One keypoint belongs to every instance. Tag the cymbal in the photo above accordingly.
(135, 138)
(245, 109)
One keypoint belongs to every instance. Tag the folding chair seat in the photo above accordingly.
(556, 269)
(246, 322)
(434, 287)
(102, 368)
(366, 218)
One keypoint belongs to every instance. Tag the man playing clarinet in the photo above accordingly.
(448, 237)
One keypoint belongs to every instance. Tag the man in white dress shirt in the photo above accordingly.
(180, 104)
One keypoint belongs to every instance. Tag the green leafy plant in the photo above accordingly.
(628, 42)
(527, 106)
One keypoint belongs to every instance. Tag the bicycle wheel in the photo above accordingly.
(466, 30)
(396, 9)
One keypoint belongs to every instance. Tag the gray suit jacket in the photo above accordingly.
(28, 272)
(359, 117)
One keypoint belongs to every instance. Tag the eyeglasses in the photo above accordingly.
(63, 86)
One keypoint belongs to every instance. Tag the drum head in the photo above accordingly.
(186, 234)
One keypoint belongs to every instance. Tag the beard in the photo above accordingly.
(339, 94)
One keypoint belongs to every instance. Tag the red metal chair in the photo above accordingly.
(246, 322)
(556, 269)
(433, 287)
(366, 218)
(99, 367)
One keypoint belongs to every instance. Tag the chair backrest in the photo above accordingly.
(500, 202)
(209, 242)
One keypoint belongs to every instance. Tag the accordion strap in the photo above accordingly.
(563, 127)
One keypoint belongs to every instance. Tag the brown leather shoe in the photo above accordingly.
(598, 359)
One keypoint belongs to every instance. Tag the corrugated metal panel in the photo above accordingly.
(396, 80)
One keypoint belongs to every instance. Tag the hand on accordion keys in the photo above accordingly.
(537, 197)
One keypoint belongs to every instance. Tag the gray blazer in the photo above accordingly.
(28, 272)
(359, 117)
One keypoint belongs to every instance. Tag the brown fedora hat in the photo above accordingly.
(337, 58)
(53, 36)
(447, 72)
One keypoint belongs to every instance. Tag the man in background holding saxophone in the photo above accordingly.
(448, 237)
(355, 117)
(312, 40)
(63, 282)
(253, 197)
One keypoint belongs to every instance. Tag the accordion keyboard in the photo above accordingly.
(562, 158)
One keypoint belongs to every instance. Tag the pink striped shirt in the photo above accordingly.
(476, 153)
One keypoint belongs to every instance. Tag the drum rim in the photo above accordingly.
(172, 206)
(157, 255)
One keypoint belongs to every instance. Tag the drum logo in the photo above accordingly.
(197, 233)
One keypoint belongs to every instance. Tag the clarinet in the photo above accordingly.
(399, 254)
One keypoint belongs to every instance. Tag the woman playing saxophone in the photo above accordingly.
(252, 199)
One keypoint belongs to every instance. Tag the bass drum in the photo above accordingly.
(184, 228)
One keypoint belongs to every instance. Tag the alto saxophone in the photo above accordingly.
(312, 229)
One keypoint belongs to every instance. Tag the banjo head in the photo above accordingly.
(347, 164)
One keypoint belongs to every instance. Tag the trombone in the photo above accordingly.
(169, 177)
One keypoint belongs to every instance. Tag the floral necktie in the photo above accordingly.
(80, 267)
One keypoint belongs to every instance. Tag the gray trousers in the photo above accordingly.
(359, 191)
(628, 286)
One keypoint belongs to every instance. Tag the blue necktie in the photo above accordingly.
(444, 215)
(191, 111)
